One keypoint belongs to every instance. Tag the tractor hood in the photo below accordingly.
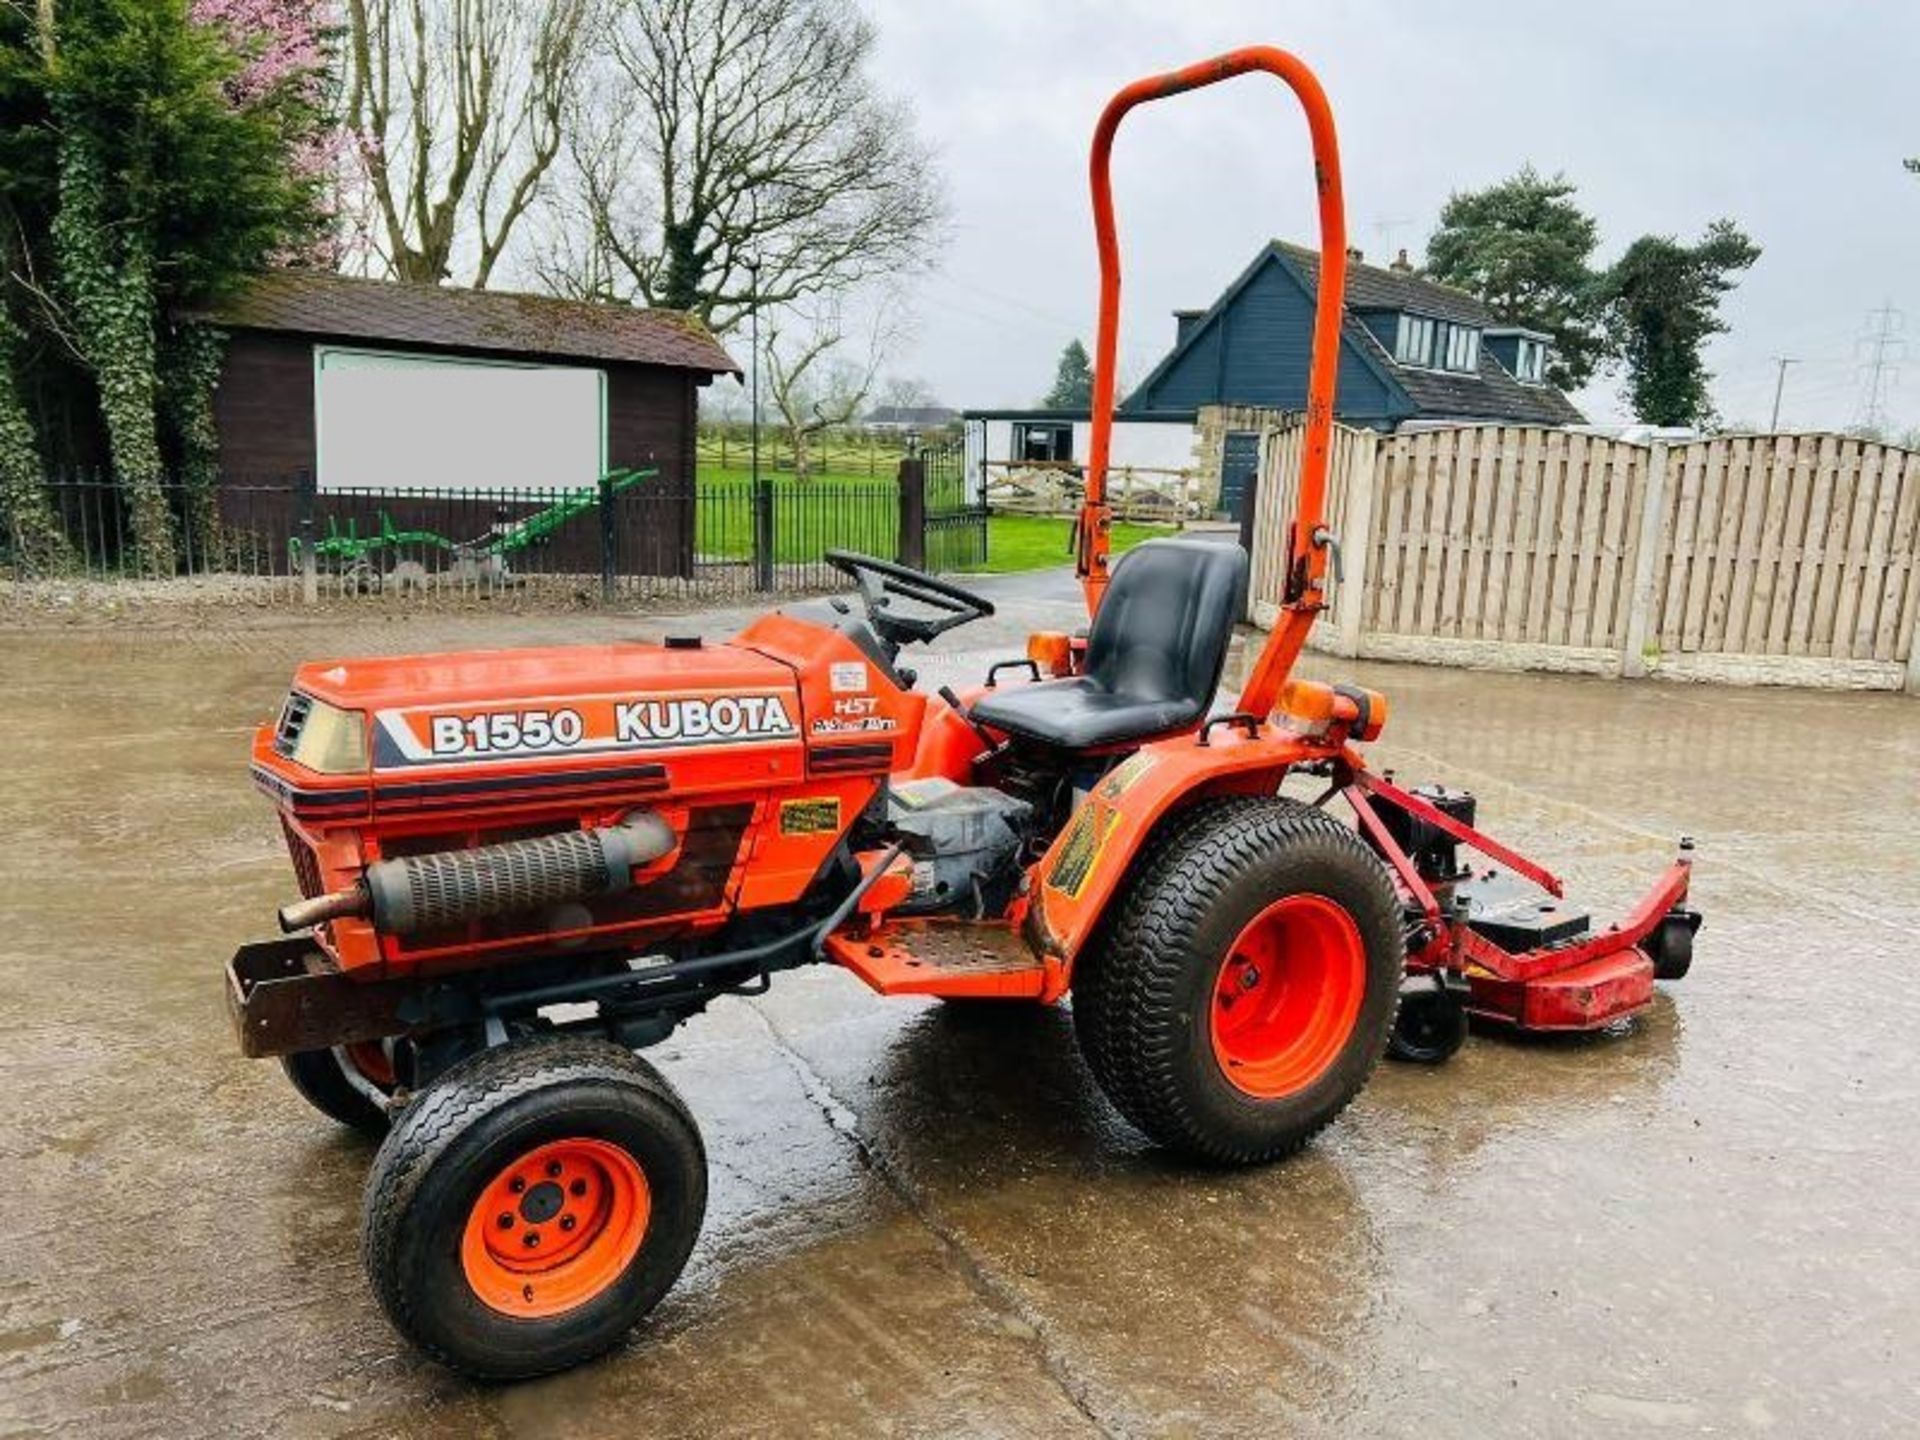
(515, 706)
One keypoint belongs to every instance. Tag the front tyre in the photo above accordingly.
(348, 1084)
(531, 1205)
(1246, 987)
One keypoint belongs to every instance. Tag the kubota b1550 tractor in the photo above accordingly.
(521, 866)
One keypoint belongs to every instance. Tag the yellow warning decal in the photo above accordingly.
(819, 815)
(1080, 851)
(1124, 776)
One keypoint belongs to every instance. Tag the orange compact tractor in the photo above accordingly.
(521, 866)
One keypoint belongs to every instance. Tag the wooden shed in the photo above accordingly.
(364, 387)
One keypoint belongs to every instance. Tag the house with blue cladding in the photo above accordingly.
(1412, 351)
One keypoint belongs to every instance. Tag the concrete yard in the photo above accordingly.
(924, 1222)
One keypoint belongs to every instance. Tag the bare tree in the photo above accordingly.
(736, 156)
(815, 381)
(458, 108)
(906, 392)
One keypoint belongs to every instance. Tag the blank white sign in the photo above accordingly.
(391, 422)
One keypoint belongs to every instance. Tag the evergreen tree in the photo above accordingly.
(1662, 304)
(1073, 381)
(1523, 248)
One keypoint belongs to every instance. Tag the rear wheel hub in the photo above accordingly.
(1288, 996)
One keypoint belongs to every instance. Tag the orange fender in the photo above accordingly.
(1071, 886)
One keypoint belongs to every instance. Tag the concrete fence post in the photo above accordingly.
(305, 492)
(1361, 480)
(1633, 649)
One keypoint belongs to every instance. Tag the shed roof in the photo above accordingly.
(312, 302)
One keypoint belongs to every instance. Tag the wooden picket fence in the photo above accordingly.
(1761, 559)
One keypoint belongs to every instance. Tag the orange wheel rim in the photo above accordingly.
(556, 1227)
(1287, 996)
(370, 1058)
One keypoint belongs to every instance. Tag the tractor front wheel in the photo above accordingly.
(342, 1084)
(1244, 990)
(531, 1205)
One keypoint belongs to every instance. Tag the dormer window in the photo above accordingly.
(1414, 344)
(1462, 349)
(1530, 362)
(1437, 344)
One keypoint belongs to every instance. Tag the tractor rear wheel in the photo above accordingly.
(336, 1082)
(1244, 989)
(531, 1205)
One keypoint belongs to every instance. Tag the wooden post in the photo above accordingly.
(761, 512)
(1913, 663)
(1360, 481)
(912, 546)
(1633, 650)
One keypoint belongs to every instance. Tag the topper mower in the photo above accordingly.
(519, 867)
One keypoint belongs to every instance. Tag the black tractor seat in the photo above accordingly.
(1154, 655)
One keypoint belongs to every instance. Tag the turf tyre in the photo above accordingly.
(1144, 989)
(321, 1080)
(458, 1133)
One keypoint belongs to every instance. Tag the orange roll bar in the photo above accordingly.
(1305, 594)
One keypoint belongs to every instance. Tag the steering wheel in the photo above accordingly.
(882, 580)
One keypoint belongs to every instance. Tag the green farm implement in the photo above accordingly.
(364, 559)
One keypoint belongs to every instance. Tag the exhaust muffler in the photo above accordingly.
(453, 887)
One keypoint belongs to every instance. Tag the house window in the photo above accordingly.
(1038, 442)
(1530, 362)
(1414, 344)
(1459, 348)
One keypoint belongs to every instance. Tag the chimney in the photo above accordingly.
(1184, 321)
(1401, 263)
(1354, 257)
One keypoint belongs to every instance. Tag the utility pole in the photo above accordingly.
(1780, 384)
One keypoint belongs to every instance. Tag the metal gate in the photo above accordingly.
(956, 523)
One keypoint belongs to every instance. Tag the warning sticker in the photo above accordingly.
(1125, 775)
(819, 815)
(1080, 850)
(847, 676)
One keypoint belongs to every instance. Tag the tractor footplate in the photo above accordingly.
(1513, 913)
(941, 957)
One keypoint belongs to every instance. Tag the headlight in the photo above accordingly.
(322, 737)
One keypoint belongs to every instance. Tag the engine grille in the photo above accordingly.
(293, 719)
(306, 865)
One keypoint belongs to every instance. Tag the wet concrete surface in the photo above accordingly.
(929, 1222)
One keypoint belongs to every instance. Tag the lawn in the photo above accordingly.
(1033, 542)
(858, 512)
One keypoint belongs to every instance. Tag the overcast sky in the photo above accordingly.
(1790, 118)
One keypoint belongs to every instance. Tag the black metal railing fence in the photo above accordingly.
(635, 533)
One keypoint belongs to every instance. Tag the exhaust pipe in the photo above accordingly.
(430, 892)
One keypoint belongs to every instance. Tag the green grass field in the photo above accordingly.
(1034, 542)
(857, 512)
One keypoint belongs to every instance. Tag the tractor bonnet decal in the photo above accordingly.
(592, 724)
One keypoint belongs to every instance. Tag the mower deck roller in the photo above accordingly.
(521, 866)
